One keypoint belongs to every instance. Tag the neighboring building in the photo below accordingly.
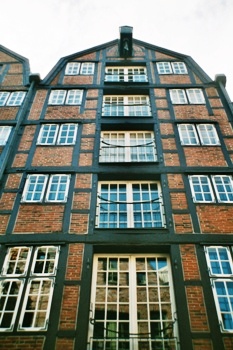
(116, 195)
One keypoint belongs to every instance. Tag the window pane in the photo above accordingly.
(34, 188)
(45, 261)
(208, 134)
(74, 97)
(72, 68)
(67, 134)
(201, 189)
(3, 97)
(37, 302)
(16, 98)
(224, 188)
(164, 67)
(87, 68)
(178, 96)
(57, 97)
(196, 96)
(188, 135)
(179, 68)
(220, 261)
(4, 134)
(10, 292)
(16, 261)
(58, 188)
(48, 134)
(224, 294)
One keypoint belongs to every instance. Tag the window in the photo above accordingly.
(75, 68)
(69, 97)
(4, 134)
(51, 134)
(129, 106)
(192, 96)
(220, 264)
(33, 286)
(12, 99)
(132, 303)
(126, 74)
(204, 134)
(53, 188)
(171, 68)
(125, 205)
(217, 187)
(127, 146)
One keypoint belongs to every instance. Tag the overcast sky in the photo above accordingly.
(46, 30)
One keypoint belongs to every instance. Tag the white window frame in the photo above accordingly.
(216, 189)
(5, 131)
(179, 68)
(203, 186)
(191, 96)
(126, 74)
(36, 310)
(122, 146)
(28, 276)
(16, 259)
(68, 97)
(226, 186)
(219, 261)
(59, 188)
(3, 97)
(196, 134)
(57, 134)
(45, 260)
(178, 96)
(171, 68)
(38, 182)
(126, 105)
(121, 274)
(80, 68)
(10, 281)
(43, 190)
(12, 99)
(126, 207)
(87, 68)
(223, 278)
(164, 68)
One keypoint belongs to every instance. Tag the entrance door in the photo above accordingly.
(132, 304)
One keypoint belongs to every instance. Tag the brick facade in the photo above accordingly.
(72, 224)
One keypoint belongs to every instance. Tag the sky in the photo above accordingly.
(46, 30)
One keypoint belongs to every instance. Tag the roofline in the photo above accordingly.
(199, 71)
(22, 59)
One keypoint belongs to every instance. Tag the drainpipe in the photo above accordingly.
(33, 79)
(221, 80)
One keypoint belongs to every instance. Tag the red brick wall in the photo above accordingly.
(28, 342)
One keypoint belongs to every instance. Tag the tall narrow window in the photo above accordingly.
(125, 205)
(4, 134)
(220, 263)
(132, 303)
(130, 106)
(33, 286)
(132, 146)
